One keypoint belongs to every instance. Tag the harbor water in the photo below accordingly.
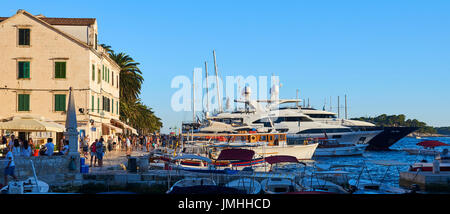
(380, 173)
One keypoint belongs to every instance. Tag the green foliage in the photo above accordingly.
(398, 120)
(132, 109)
(443, 130)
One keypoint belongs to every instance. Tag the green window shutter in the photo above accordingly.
(103, 72)
(93, 72)
(24, 102)
(24, 70)
(60, 69)
(117, 107)
(98, 104)
(112, 106)
(98, 76)
(92, 103)
(60, 102)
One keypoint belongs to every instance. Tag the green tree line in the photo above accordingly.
(398, 120)
(132, 109)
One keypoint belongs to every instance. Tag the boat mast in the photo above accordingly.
(339, 115)
(346, 107)
(207, 94)
(193, 104)
(217, 82)
(296, 97)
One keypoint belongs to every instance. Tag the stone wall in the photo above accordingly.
(47, 168)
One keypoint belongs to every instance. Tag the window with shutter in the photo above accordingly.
(60, 102)
(60, 70)
(93, 72)
(24, 102)
(24, 36)
(24, 70)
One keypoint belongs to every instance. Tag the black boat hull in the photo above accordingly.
(389, 137)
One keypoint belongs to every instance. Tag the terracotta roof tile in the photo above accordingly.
(64, 21)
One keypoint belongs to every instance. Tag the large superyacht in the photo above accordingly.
(382, 141)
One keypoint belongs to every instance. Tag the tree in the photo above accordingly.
(132, 109)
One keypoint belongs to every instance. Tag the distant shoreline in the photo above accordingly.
(418, 134)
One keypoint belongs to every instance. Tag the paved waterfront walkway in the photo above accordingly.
(112, 161)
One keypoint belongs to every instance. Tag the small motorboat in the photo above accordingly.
(250, 186)
(428, 167)
(428, 148)
(28, 186)
(332, 148)
(279, 186)
(316, 184)
(368, 187)
(190, 182)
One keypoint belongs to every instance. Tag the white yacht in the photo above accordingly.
(297, 125)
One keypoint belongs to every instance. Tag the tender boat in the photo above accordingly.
(332, 147)
(191, 182)
(250, 186)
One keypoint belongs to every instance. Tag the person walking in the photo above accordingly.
(128, 146)
(9, 167)
(99, 151)
(93, 152)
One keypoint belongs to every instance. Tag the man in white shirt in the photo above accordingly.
(9, 168)
(50, 147)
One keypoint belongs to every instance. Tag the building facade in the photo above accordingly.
(42, 57)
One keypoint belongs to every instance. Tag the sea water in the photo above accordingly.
(379, 173)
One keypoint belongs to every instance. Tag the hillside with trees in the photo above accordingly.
(399, 120)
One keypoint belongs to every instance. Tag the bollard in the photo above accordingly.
(436, 167)
(132, 164)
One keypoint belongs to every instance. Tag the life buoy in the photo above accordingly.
(253, 138)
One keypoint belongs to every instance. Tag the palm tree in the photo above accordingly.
(130, 76)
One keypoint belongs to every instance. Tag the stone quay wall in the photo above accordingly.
(48, 168)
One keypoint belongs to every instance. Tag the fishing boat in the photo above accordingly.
(332, 147)
(250, 186)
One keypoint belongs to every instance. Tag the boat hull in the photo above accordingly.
(302, 152)
(341, 151)
(388, 137)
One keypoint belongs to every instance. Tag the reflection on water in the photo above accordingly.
(378, 172)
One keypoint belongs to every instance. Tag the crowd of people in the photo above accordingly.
(98, 148)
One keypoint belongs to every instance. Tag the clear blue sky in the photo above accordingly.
(388, 56)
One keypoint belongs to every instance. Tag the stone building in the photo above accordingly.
(42, 57)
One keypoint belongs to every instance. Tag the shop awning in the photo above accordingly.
(31, 124)
(116, 129)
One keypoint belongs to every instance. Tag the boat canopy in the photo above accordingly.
(281, 159)
(431, 143)
(236, 154)
(189, 156)
(389, 163)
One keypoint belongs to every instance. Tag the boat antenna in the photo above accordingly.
(217, 81)
(296, 97)
(339, 115)
(346, 107)
(207, 94)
